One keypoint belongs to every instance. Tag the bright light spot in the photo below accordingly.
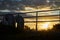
(46, 8)
(29, 8)
(47, 1)
(16, 24)
(45, 26)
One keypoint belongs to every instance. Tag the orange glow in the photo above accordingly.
(45, 26)
(41, 25)
(31, 9)
(46, 8)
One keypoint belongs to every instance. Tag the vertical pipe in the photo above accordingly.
(36, 20)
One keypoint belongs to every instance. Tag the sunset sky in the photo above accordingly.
(26, 6)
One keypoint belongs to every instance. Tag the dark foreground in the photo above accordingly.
(13, 34)
(31, 35)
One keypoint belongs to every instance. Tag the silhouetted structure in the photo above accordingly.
(20, 23)
(9, 20)
(8, 23)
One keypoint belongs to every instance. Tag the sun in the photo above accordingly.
(45, 26)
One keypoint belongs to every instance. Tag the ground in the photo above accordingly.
(31, 36)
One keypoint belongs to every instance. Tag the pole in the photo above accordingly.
(36, 20)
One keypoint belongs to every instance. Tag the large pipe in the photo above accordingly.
(9, 22)
(20, 23)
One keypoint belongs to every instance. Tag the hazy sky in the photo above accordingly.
(56, 12)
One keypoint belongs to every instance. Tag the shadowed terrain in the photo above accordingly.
(10, 33)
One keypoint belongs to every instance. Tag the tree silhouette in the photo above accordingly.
(56, 27)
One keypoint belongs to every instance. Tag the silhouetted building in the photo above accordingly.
(8, 23)
(8, 19)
